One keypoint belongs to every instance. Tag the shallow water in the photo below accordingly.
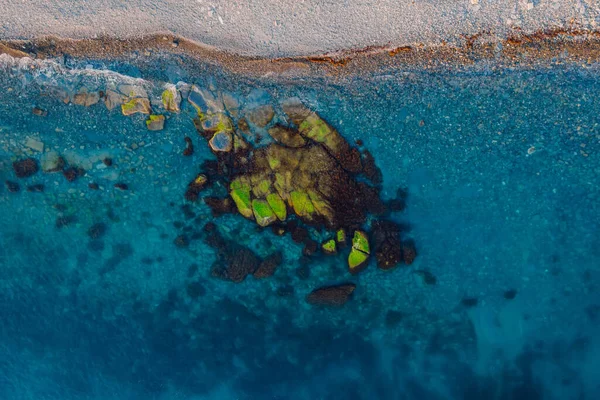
(501, 171)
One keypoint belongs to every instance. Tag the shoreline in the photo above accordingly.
(552, 47)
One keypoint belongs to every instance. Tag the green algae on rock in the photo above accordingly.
(155, 122)
(136, 105)
(263, 213)
(359, 253)
(171, 99)
(329, 246)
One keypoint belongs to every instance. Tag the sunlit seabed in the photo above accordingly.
(501, 171)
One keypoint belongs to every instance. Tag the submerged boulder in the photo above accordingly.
(136, 105)
(25, 168)
(155, 122)
(171, 99)
(332, 296)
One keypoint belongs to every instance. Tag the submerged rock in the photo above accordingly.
(221, 142)
(155, 122)
(25, 168)
(85, 98)
(37, 188)
(387, 243)
(12, 187)
(171, 99)
(260, 115)
(286, 136)
(136, 105)
(39, 112)
(268, 266)
(52, 162)
(335, 296)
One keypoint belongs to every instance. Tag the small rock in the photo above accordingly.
(83, 98)
(52, 162)
(268, 266)
(97, 230)
(155, 122)
(221, 142)
(72, 173)
(66, 220)
(189, 147)
(510, 294)
(39, 112)
(393, 318)
(261, 115)
(93, 186)
(121, 186)
(12, 187)
(181, 241)
(34, 144)
(409, 251)
(171, 98)
(136, 105)
(107, 161)
(286, 136)
(195, 290)
(25, 168)
(333, 296)
(38, 188)
(469, 302)
(112, 99)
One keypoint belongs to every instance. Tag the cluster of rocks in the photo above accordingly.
(304, 173)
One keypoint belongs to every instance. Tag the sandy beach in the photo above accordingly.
(290, 27)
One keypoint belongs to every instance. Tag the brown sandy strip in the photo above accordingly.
(551, 47)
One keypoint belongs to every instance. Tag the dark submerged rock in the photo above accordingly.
(393, 318)
(97, 230)
(409, 251)
(12, 187)
(65, 221)
(121, 186)
(333, 296)
(93, 186)
(189, 147)
(37, 188)
(181, 241)
(268, 266)
(220, 206)
(195, 290)
(72, 173)
(387, 243)
(25, 168)
(428, 277)
(510, 294)
(96, 245)
(469, 302)
(107, 161)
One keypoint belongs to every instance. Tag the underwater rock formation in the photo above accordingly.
(337, 295)
(305, 173)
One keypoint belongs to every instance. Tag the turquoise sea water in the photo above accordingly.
(501, 170)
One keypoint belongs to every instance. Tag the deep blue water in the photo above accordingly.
(501, 170)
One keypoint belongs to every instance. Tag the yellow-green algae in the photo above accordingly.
(136, 105)
(169, 99)
(263, 213)
(240, 193)
(329, 246)
(277, 205)
(359, 252)
(303, 207)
